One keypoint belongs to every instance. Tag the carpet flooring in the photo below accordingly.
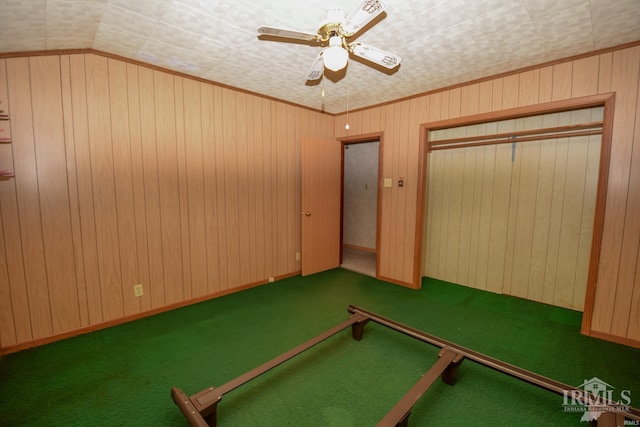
(122, 376)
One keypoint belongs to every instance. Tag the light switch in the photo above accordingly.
(388, 183)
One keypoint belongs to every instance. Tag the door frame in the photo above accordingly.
(606, 100)
(362, 139)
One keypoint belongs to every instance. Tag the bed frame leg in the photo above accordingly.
(404, 422)
(450, 374)
(357, 329)
(212, 418)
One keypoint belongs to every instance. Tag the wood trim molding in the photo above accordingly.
(138, 316)
(615, 338)
(519, 112)
(152, 67)
(501, 75)
(398, 282)
(598, 223)
(360, 248)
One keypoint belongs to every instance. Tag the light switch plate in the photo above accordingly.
(388, 183)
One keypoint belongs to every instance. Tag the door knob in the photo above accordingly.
(306, 213)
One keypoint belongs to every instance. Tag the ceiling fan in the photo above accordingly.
(333, 34)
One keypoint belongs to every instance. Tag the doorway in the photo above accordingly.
(359, 230)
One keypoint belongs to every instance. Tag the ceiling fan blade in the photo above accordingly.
(362, 15)
(317, 68)
(375, 55)
(289, 34)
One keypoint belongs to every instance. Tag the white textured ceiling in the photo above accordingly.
(441, 42)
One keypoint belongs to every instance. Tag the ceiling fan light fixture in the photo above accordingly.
(335, 57)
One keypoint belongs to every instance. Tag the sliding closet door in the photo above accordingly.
(515, 218)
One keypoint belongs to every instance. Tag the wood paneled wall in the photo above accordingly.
(617, 303)
(127, 175)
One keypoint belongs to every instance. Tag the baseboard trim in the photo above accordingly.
(616, 339)
(104, 325)
(398, 282)
(359, 248)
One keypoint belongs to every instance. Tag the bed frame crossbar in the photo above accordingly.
(200, 409)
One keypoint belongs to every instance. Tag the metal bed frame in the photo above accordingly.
(201, 408)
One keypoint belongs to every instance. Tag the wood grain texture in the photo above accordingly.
(94, 188)
(624, 80)
(48, 128)
(29, 221)
(516, 219)
(128, 175)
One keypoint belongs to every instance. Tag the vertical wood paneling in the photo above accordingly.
(126, 175)
(230, 168)
(417, 113)
(605, 71)
(244, 210)
(624, 80)
(546, 84)
(469, 102)
(137, 173)
(541, 219)
(587, 220)
(257, 150)
(48, 128)
(168, 184)
(210, 188)
(7, 325)
(386, 227)
(27, 192)
(485, 215)
(562, 74)
(510, 91)
(251, 197)
(72, 180)
(585, 76)
(529, 160)
(122, 169)
(633, 330)
(402, 234)
(85, 190)
(156, 284)
(16, 322)
(498, 86)
(268, 195)
(197, 210)
(187, 283)
(631, 235)
(513, 197)
(104, 194)
(485, 97)
(529, 87)
(555, 219)
(519, 221)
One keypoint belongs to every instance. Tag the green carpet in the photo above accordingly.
(122, 376)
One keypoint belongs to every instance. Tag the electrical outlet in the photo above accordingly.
(270, 279)
(297, 256)
(137, 290)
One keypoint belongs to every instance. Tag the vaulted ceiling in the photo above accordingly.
(441, 42)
